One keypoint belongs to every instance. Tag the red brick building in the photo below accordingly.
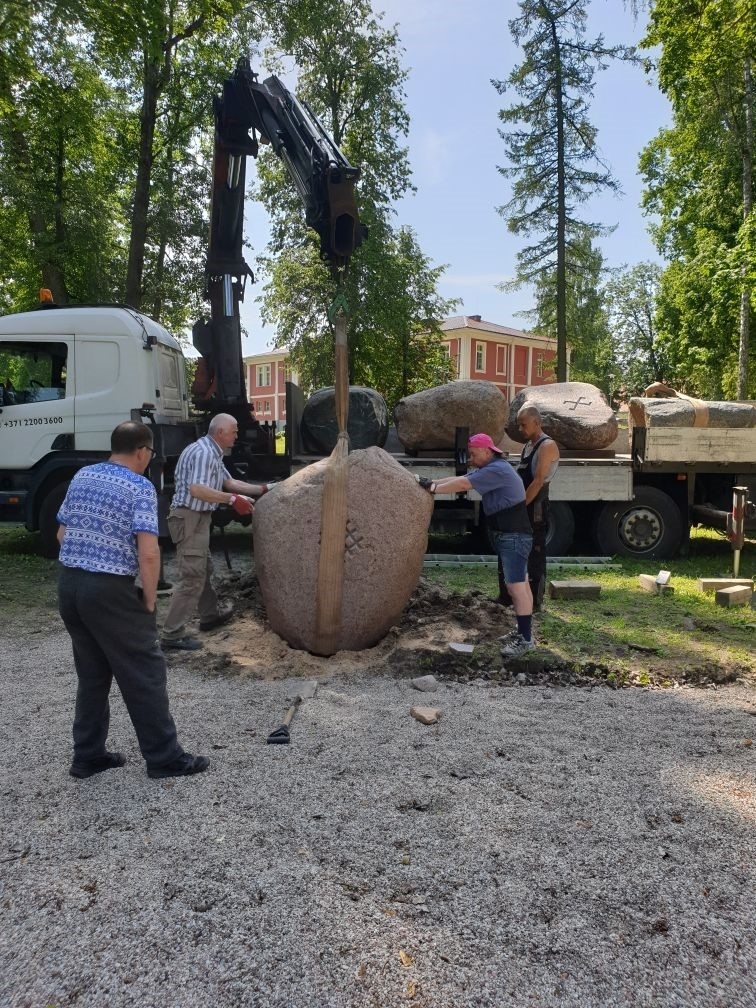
(510, 358)
(482, 351)
(266, 375)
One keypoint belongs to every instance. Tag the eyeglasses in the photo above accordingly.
(150, 449)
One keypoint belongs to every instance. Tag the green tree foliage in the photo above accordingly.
(590, 345)
(168, 56)
(641, 356)
(699, 181)
(59, 164)
(350, 73)
(104, 148)
(552, 152)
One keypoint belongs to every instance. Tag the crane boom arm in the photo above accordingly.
(325, 182)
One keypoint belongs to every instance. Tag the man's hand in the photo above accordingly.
(240, 504)
(426, 483)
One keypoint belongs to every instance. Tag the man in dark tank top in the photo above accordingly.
(537, 466)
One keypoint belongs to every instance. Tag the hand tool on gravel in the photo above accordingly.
(282, 735)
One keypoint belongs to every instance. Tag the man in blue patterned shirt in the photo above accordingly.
(108, 534)
(202, 483)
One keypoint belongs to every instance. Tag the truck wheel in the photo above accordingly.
(649, 526)
(561, 531)
(48, 522)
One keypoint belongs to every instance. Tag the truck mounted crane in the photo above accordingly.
(246, 113)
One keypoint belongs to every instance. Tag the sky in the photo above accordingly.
(453, 51)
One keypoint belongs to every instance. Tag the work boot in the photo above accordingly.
(224, 615)
(185, 643)
(88, 768)
(518, 647)
(184, 765)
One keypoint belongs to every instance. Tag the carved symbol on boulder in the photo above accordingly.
(354, 539)
(577, 402)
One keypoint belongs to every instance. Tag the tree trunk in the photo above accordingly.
(561, 265)
(141, 205)
(745, 295)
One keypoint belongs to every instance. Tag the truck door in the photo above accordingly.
(37, 409)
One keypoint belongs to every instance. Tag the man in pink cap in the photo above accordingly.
(509, 531)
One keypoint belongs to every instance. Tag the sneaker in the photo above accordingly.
(517, 647)
(181, 644)
(88, 768)
(509, 636)
(184, 765)
(224, 615)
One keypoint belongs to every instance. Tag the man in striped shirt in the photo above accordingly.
(202, 482)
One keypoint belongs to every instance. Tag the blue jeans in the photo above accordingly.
(513, 550)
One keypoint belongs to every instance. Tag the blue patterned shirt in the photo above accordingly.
(201, 462)
(106, 505)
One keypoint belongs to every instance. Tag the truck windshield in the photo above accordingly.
(32, 372)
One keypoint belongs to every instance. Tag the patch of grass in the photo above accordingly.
(29, 581)
(644, 637)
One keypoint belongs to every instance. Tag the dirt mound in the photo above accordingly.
(419, 645)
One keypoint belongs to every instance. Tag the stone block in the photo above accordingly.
(574, 589)
(385, 541)
(650, 583)
(426, 684)
(426, 715)
(735, 595)
(715, 584)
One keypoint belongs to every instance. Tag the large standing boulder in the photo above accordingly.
(575, 414)
(367, 424)
(426, 420)
(386, 538)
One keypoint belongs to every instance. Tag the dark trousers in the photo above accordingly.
(114, 637)
(539, 520)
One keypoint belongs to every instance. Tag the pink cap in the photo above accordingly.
(484, 441)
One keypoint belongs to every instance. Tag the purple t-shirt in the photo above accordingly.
(498, 484)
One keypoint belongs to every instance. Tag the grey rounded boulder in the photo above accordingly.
(427, 420)
(367, 424)
(575, 414)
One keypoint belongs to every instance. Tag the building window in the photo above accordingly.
(263, 375)
(480, 356)
(502, 352)
(540, 365)
(267, 407)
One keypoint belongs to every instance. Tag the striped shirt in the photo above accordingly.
(106, 505)
(201, 462)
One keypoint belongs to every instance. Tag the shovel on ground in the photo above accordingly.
(282, 735)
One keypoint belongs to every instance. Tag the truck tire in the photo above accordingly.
(647, 527)
(48, 522)
(561, 532)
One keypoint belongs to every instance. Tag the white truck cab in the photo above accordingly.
(68, 376)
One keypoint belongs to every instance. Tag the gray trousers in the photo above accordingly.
(193, 591)
(114, 637)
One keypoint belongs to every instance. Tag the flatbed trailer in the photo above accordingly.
(639, 503)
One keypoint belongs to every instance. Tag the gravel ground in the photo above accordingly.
(538, 847)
